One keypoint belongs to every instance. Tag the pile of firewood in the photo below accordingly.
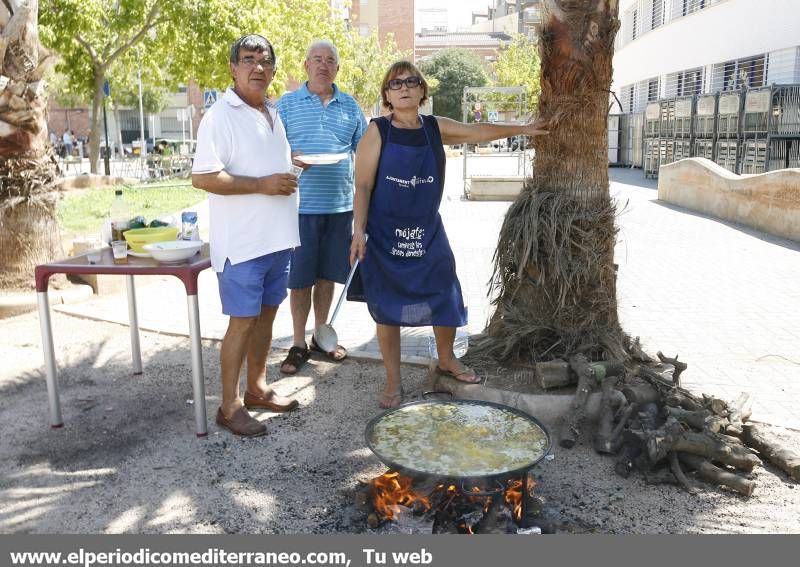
(663, 431)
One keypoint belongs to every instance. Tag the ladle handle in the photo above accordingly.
(344, 291)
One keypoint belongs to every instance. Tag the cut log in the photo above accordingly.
(548, 408)
(701, 420)
(679, 398)
(641, 393)
(672, 437)
(715, 475)
(554, 374)
(768, 446)
(679, 367)
(570, 429)
(604, 441)
(675, 467)
(740, 412)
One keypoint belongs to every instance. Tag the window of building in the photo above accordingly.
(363, 29)
(634, 24)
(750, 72)
(657, 15)
(689, 82)
(626, 98)
(652, 89)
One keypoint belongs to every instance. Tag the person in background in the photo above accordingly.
(320, 119)
(67, 141)
(408, 269)
(242, 160)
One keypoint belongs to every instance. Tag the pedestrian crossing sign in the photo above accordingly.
(493, 116)
(209, 98)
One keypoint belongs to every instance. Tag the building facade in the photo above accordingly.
(673, 48)
(509, 16)
(394, 17)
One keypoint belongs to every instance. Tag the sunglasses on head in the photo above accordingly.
(410, 82)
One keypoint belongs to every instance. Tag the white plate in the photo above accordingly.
(321, 159)
(139, 254)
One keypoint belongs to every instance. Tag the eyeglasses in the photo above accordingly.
(410, 82)
(328, 61)
(266, 64)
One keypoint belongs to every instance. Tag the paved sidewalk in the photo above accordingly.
(724, 297)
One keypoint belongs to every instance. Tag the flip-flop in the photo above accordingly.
(337, 355)
(467, 375)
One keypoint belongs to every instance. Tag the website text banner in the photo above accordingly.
(365, 550)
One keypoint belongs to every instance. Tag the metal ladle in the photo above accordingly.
(325, 335)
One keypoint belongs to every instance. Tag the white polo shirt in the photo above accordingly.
(237, 138)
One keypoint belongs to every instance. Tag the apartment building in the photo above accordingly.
(394, 17)
(509, 16)
(669, 48)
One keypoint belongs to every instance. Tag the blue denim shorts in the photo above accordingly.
(245, 287)
(324, 251)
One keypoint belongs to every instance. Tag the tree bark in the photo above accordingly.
(29, 231)
(554, 279)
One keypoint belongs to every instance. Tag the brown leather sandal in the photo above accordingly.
(296, 358)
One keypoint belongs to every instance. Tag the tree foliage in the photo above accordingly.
(454, 69)
(172, 42)
(518, 65)
(167, 41)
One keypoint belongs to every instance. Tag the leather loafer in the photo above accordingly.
(272, 402)
(241, 423)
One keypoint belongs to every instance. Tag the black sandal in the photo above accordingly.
(297, 357)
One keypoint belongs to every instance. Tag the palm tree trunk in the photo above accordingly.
(554, 285)
(29, 232)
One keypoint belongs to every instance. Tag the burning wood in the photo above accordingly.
(393, 489)
(392, 497)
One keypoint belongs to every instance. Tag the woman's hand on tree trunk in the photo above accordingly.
(536, 128)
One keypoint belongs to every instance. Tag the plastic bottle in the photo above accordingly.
(189, 226)
(120, 216)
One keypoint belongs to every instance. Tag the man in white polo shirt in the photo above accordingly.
(242, 160)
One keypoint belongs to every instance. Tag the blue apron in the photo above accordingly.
(409, 272)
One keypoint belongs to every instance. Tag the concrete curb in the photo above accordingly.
(18, 303)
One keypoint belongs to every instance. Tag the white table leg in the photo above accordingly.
(198, 382)
(49, 359)
(133, 318)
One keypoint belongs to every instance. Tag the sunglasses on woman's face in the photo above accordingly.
(410, 82)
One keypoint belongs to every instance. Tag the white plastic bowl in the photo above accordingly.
(174, 250)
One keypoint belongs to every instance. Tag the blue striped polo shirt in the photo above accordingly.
(315, 129)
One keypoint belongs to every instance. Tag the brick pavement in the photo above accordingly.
(722, 296)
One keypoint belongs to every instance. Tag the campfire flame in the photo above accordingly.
(392, 489)
(513, 498)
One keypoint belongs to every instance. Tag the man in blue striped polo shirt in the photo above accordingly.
(320, 119)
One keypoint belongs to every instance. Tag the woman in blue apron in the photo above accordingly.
(407, 268)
